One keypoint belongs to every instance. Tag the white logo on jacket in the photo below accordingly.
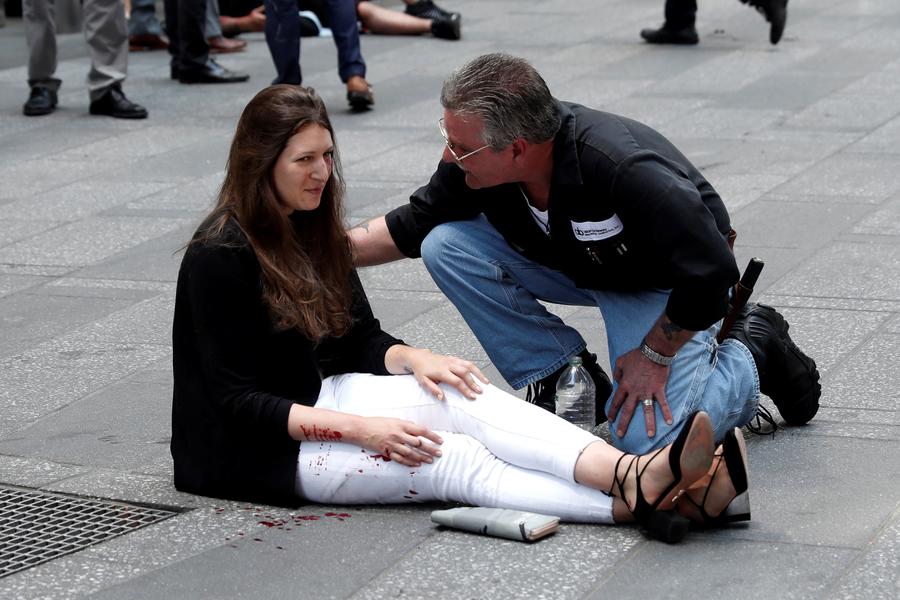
(594, 231)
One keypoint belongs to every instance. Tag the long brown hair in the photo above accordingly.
(305, 258)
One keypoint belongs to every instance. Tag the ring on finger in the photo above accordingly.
(647, 402)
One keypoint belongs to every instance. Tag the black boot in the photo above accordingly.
(786, 375)
(427, 9)
(665, 35)
(41, 101)
(775, 12)
(447, 28)
(543, 391)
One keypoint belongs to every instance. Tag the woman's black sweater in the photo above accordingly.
(236, 376)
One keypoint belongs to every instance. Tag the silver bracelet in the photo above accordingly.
(654, 356)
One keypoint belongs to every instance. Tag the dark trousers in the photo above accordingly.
(283, 38)
(187, 39)
(680, 13)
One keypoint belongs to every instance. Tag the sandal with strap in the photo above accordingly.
(690, 457)
(734, 455)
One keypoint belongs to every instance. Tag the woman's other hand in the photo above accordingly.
(403, 441)
(431, 369)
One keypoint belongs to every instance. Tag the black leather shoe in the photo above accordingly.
(212, 72)
(663, 35)
(447, 28)
(41, 101)
(174, 72)
(426, 9)
(114, 104)
(543, 391)
(775, 12)
(786, 375)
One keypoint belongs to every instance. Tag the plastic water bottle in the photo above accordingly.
(575, 395)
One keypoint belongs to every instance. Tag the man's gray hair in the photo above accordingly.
(508, 94)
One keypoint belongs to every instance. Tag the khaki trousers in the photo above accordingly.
(105, 31)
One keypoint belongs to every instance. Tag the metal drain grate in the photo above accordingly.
(36, 527)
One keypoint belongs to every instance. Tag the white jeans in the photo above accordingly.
(498, 451)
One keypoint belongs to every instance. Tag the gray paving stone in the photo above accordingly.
(77, 201)
(444, 331)
(396, 308)
(310, 560)
(783, 470)
(401, 275)
(868, 378)
(804, 571)
(33, 472)
(849, 270)
(10, 284)
(124, 426)
(156, 259)
(461, 565)
(68, 577)
(876, 573)
(55, 373)
(87, 241)
(774, 223)
(12, 230)
(29, 319)
(881, 140)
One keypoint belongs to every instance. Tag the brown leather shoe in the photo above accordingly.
(148, 41)
(223, 45)
(359, 94)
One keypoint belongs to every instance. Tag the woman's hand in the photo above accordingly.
(431, 369)
(403, 441)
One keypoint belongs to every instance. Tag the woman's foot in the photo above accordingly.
(657, 478)
(722, 495)
(647, 485)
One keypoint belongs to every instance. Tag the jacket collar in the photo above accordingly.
(566, 170)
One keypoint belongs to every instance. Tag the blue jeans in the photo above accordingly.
(283, 39)
(496, 290)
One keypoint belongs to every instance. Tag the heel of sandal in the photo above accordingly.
(666, 526)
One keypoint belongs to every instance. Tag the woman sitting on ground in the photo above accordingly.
(268, 304)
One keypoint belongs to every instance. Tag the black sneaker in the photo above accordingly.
(41, 101)
(426, 9)
(775, 12)
(543, 391)
(448, 28)
(786, 375)
(664, 35)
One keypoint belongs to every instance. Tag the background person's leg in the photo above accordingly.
(344, 29)
(496, 289)
(283, 39)
(40, 34)
(106, 32)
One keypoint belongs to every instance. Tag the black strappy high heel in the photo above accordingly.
(668, 525)
(734, 453)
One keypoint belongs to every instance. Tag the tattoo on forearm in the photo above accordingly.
(314, 433)
(669, 329)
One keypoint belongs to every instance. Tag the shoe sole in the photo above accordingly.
(37, 113)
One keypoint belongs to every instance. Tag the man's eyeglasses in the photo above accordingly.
(455, 156)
